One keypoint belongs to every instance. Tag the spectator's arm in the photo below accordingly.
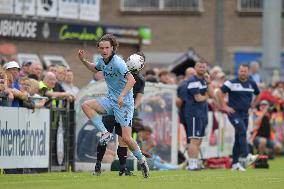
(179, 102)
(57, 94)
(18, 94)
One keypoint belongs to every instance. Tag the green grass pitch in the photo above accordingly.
(208, 179)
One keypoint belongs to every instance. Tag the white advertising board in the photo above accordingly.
(24, 138)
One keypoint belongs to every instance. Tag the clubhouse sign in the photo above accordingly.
(68, 32)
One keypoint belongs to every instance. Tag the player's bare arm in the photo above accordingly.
(91, 66)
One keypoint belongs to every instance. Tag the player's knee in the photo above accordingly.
(84, 106)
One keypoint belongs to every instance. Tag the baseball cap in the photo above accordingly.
(11, 64)
(264, 102)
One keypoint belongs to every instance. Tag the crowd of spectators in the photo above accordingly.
(28, 85)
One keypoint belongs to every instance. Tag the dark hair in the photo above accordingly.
(244, 65)
(151, 78)
(112, 40)
(150, 72)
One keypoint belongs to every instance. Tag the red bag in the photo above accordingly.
(218, 163)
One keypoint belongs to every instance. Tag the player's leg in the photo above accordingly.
(122, 152)
(109, 122)
(124, 117)
(195, 133)
(92, 109)
(122, 156)
(134, 148)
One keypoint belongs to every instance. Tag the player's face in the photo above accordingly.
(243, 73)
(105, 49)
(200, 68)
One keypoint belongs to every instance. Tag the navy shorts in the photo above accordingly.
(196, 126)
(111, 124)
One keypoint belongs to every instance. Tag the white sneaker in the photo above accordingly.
(237, 167)
(144, 167)
(250, 159)
(105, 138)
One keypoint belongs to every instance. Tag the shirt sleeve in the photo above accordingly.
(194, 87)
(226, 87)
(98, 65)
(122, 68)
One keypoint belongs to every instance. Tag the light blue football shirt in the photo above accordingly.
(114, 73)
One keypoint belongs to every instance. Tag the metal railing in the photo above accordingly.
(62, 124)
(161, 5)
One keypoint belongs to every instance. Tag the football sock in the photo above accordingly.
(97, 121)
(137, 153)
(101, 149)
(192, 163)
(122, 155)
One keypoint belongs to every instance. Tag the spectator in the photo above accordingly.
(52, 68)
(68, 85)
(254, 73)
(189, 72)
(98, 76)
(34, 91)
(263, 134)
(214, 71)
(60, 77)
(25, 69)
(147, 144)
(166, 77)
(46, 89)
(181, 97)
(278, 92)
(12, 70)
(5, 95)
(25, 86)
(35, 71)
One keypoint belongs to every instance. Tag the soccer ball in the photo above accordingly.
(135, 62)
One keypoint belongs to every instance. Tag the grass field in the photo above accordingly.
(210, 179)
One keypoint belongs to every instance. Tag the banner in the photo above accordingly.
(24, 138)
(68, 9)
(6, 7)
(64, 31)
(47, 8)
(25, 7)
(90, 10)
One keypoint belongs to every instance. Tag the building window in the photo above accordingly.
(252, 5)
(161, 5)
